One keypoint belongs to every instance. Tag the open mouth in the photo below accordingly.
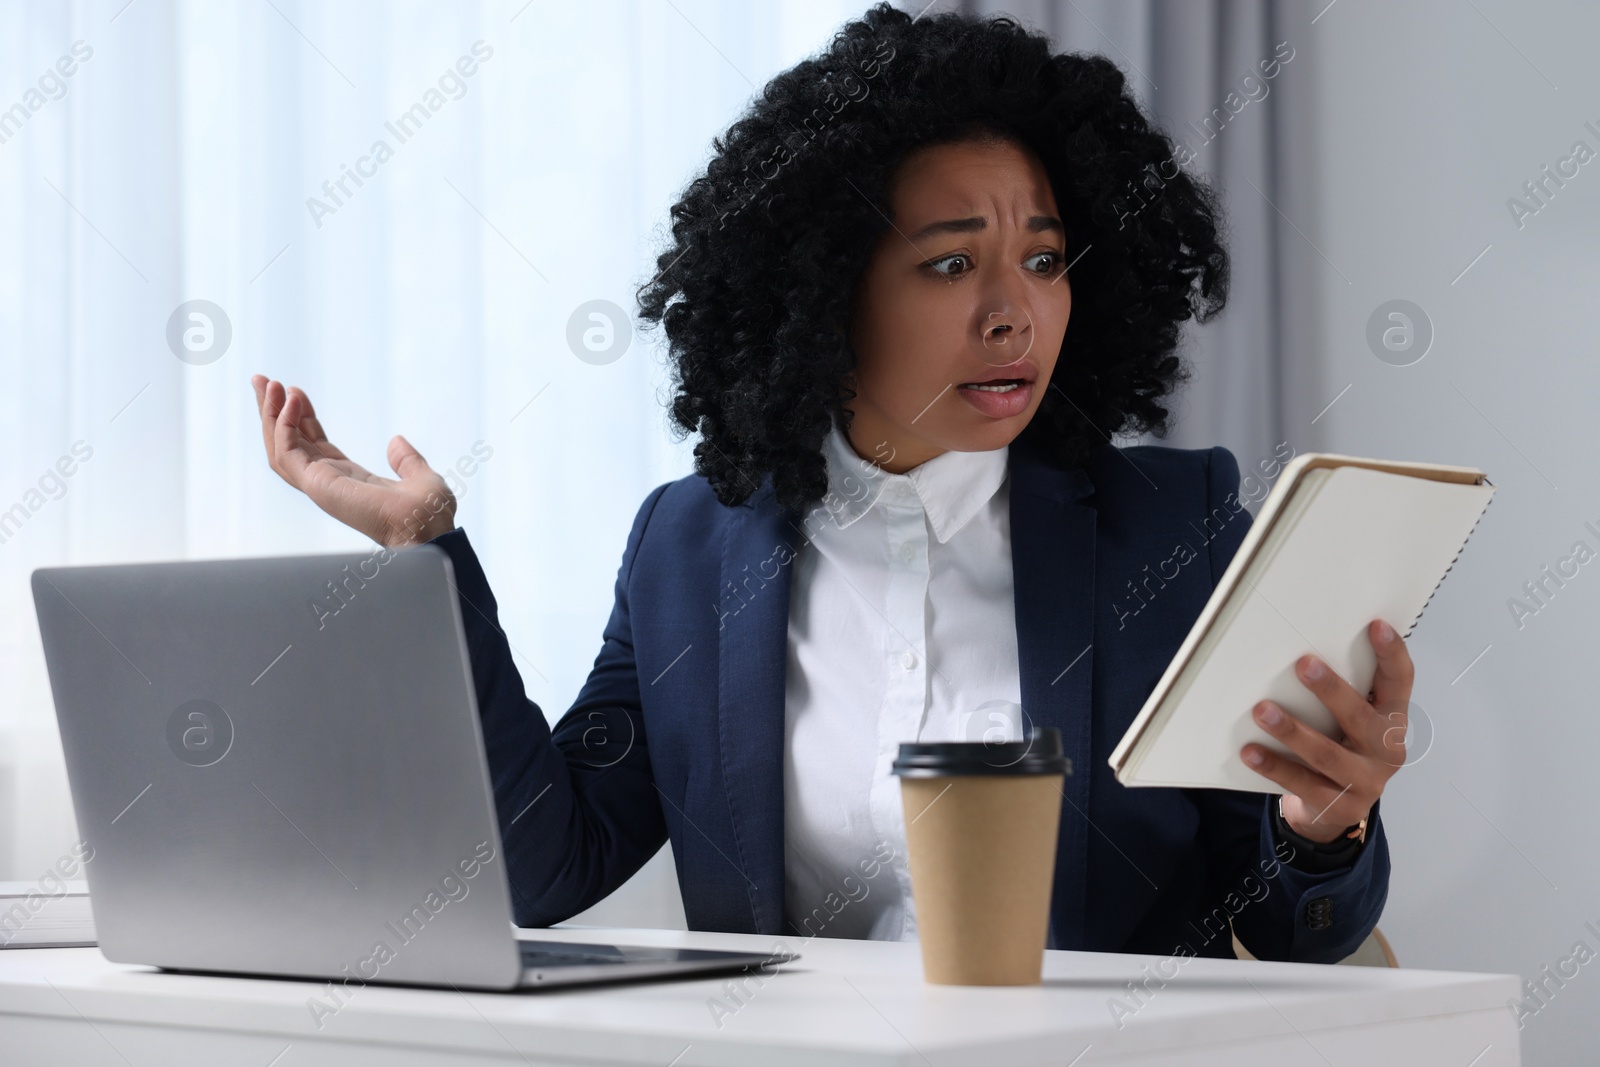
(999, 385)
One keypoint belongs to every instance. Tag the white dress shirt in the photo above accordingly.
(901, 628)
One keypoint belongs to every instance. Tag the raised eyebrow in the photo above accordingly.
(1036, 224)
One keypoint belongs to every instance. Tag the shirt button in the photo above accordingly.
(908, 552)
(908, 659)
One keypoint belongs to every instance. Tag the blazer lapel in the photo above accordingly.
(752, 663)
(1052, 559)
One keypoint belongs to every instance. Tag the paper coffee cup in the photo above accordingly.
(981, 825)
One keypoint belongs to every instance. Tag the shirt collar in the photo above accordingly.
(950, 488)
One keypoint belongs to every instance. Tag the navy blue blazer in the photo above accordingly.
(678, 732)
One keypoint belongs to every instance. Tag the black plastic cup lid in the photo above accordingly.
(1040, 754)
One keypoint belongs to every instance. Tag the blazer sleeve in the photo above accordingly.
(577, 804)
(1304, 917)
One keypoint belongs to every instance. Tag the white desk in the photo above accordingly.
(846, 1002)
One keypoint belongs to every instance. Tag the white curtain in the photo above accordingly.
(535, 151)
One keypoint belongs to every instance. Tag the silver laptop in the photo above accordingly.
(278, 767)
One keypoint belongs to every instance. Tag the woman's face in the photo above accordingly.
(961, 310)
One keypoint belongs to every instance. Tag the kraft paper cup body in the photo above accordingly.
(981, 827)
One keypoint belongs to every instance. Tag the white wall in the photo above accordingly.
(1421, 120)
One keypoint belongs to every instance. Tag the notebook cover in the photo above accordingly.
(1379, 537)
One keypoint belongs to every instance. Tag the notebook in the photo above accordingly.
(33, 915)
(1338, 542)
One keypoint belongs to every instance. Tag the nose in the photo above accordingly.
(1006, 333)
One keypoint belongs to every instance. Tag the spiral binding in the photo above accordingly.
(1412, 628)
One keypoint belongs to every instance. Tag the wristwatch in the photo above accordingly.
(1318, 856)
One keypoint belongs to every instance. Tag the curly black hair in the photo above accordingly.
(757, 288)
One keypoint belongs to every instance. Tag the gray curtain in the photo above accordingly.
(1183, 58)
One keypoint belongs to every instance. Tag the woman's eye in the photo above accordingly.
(934, 265)
(1053, 261)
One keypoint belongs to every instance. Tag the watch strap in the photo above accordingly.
(1317, 857)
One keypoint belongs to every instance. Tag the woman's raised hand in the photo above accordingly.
(416, 508)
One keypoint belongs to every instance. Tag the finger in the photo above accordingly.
(271, 394)
(258, 384)
(1322, 754)
(1393, 752)
(1391, 684)
(291, 448)
(1295, 777)
(296, 455)
(306, 425)
(405, 460)
(1350, 709)
(310, 426)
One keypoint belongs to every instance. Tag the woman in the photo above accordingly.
(907, 521)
